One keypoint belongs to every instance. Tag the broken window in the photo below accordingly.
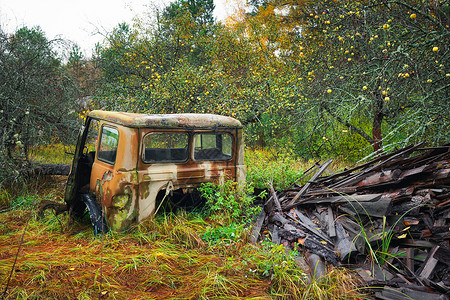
(108, 144)
(213, 146)
(165, 147)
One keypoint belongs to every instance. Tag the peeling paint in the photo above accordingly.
(107, 176)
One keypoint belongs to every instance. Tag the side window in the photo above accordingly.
(213, 146)
(109, 139)
(165, 147)
(91, 140)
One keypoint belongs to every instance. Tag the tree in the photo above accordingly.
(378, 68)
(85, 72)
(201, 11)
(36, 98)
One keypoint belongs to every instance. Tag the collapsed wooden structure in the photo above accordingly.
(388, 219)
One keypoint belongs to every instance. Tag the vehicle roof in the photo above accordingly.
(166, 120)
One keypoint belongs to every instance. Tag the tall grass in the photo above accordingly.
(280, 168)
(52, 154)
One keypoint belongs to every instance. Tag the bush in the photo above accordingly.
(229, 202)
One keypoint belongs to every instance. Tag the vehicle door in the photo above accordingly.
(113, 177)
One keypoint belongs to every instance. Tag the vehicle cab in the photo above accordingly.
(124, 160)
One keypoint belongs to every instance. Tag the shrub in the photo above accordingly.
(229, 201)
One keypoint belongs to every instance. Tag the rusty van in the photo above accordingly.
(123, 161)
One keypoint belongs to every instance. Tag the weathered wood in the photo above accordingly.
(344, 246)
(276, 239)
(49, 169)
(378, 209)
(355, 232)
(343, 199)
(308, 184)
(443, 255)
(316, 246)
(309, 225)
(429, 265)
(331, 179)
(407, 294)
(380, 177)
(387, 162)
(257, 227)
(385, 195)
(278, 218)
(330, 222)
(292, 233)
(316, 266)
(417, 243)
(410, 259)
(275, 198)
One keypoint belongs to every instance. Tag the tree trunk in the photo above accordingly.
(49, 169)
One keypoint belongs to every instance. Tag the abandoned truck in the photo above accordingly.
(123, 162)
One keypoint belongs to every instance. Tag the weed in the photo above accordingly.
(225, 234)
(229, 202)
(288, 280)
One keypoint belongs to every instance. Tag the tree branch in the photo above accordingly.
(347, 124)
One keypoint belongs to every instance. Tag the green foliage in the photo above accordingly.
(223, 234)
(229, 202)
(24, 201)
(201, 11)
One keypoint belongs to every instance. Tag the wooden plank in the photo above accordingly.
(401, 153)
(343, 199)
(443, 255)
(330, 223)
(406, 294)
(308, 184)
(311, 226)
(275, 198)
(429, 265)
(278, 218)
(257, 228)
(368, 164)
(315, 265)
(276, 239)
(410, 259)
(416, 243)
(344, 246)
(380, 208)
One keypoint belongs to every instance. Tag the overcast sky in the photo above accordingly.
(78, 20)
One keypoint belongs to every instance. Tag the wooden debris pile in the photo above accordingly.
(389, 219)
